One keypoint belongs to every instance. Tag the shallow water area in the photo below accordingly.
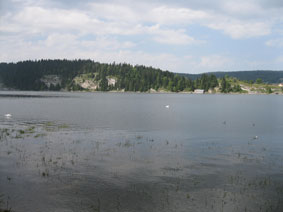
(129, 152)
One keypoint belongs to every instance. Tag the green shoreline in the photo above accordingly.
(91, 76)
(138, 92)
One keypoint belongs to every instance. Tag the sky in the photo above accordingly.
(186, 36)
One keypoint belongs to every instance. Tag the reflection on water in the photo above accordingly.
(25, 96)
(228, 160)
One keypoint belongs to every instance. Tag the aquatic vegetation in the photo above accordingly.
(40, 135)
(45, 174)
(1, 199)
(143, 172)
(31, 129)
(4, 204)
(4, 133)
(63, 126)
(96, 207)
(5, 210)
(21, 131)
(138, 137)
(128, 144)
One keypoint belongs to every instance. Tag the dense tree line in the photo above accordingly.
(248, 76)
(27, 75)
(226, 86)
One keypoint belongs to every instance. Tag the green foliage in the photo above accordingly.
(225, 86)
(266, 76)
(28, 75)
(268, 90)
(206, 82)
(103, 85)
(237, 88)
(31, 75)
(259, 81)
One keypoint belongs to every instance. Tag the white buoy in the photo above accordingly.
(167, 106)
(8, 115)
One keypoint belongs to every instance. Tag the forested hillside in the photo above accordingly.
(87, 75)
(90, 75)
(266, 76)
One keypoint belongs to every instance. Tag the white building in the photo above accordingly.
(199, 91)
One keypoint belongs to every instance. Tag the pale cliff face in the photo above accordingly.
(111, 81)
(49, 80)
(88, 84)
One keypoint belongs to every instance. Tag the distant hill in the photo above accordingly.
(88, 75)
(266, 76)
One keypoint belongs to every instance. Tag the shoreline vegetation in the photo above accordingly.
(90, 76)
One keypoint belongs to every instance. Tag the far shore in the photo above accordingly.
(149, 92)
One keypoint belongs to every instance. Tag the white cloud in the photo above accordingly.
(172, 16)
(109, 18)
(242, 8)
(117, 30)
(237, 29)
(102, 49)
(115, 12)
(40, 20)
(168, 36)
(59, 40)
(58, 45)
(215, 62)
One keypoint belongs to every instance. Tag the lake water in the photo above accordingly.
(67, 152)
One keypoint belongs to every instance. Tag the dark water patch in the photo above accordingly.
(31, 96)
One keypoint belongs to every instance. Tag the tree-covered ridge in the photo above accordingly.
(33, 75)
(265, 76)
(87, 75)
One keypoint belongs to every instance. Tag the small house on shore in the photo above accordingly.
(199, 91)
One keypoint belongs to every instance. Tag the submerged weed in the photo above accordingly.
(45, 174)
(96, 208)
(138, 137)
(40, 135)
(63, 126)
(2, 203)
(21, 131)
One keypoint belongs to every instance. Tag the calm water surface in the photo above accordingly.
(66, 152)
